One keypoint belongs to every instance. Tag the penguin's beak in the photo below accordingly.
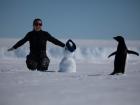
(114, 38)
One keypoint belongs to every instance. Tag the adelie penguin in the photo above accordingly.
(120, 56)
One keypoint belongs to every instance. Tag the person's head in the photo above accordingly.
(37, 24)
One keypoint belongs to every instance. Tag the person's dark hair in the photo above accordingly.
(35, 20)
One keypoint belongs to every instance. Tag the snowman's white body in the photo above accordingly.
(67, 63)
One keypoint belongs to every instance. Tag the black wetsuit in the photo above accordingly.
(38, 41)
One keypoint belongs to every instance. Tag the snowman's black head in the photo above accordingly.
(70, 45)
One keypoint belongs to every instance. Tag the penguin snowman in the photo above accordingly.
(68, 63)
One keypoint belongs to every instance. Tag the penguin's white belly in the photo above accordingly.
(67, 64)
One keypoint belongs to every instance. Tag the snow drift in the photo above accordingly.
(90, 51)
(90, 85)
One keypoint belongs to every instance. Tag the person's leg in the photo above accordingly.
(31, 62)
(43, 64)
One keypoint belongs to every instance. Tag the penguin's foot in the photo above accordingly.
(116, 73)
(112, 73)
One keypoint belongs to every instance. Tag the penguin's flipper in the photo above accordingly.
(132, 52)
(112, 54)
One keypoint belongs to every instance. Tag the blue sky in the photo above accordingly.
(86, 19)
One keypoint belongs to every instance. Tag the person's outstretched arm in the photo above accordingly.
(55, 41)
(19, 43)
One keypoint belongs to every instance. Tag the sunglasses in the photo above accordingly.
(38, 24)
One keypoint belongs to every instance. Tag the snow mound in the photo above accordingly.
(68, 63)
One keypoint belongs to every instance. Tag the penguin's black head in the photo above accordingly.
(119, 38)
